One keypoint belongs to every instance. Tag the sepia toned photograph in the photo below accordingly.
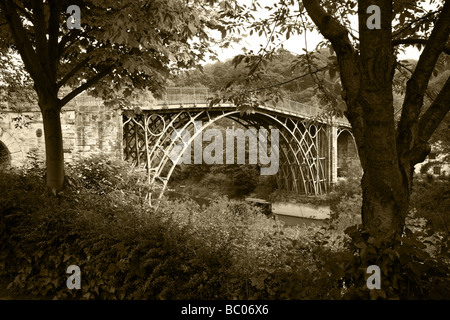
(235, 157)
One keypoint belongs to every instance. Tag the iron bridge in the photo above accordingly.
(307, 140)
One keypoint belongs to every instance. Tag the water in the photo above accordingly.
(289, 220)
(293, 221)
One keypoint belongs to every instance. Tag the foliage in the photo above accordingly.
(431, 200)
(365, 97)
(347, 212)
(282, 67)
(111, 34)
(266, 186)
(291, 196)
(103, 175)
(408, 271)
(348, 186)
(124, 248)
(245, 180)
(117, 53)
(226, 250)
(234, 181)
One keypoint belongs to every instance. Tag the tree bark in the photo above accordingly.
(385, 191)
(54, 153)
(367, 80)
(385, 198)
(41, 54)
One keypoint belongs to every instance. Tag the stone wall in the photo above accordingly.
(96, 129)
(88, 126)
(347, 155)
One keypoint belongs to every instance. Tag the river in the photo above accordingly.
(289, 214)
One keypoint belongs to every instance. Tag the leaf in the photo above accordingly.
(238, 59)
(381, 293)
(360, 245)
(332, 72)
(416, 268)
(192, 28)
(373, 294)
(331, 50)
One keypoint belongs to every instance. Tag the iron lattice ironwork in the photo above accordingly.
(303, 146)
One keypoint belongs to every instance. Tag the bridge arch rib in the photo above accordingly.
(148, 143)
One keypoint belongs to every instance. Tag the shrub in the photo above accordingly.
(346, 213)
(102, 175)
(227, 250)
(431, 200)
(408, 271)
(245, 180)
(265, 186)
(126, 250)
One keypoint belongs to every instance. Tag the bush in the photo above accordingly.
(234, 181)
(103, 175)
(126, 250)
(245, 180)
(346, 212)
(227, 250)
(431, 200)
(266, 186)
(408, 270)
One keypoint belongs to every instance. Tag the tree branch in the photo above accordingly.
(428, 123)
(411, 41)
(40, 30)
(71, 35)
(412, 71)
(85, 86)
(24, 45)
(72, 72)
(25, 12)
(408, 26)
(431, 119)
(53, 32)
(418, 83)
(348, 60)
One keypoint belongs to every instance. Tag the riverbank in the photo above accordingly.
(290, 214)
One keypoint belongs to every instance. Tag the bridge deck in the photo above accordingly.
(198, 98)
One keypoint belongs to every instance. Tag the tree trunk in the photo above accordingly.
(385, 193)
(53, 144)
(385, 189)
(366, 77)
(385, 205)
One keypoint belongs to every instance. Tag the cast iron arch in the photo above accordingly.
(148, 143)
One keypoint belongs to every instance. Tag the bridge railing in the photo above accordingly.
(295, 107)
(186, 95)
(198, 95)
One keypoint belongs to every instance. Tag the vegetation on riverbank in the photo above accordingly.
(227, 250)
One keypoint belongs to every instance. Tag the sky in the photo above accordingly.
(295, 44)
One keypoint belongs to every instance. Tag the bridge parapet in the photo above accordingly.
(198, 96)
